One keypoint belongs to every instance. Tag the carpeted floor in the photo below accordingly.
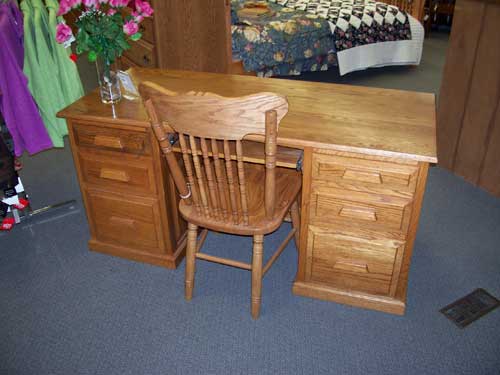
(65, 310)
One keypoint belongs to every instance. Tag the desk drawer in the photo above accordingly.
(146, 27)
(130, 174)
(352, 261)
(351, 171)
(142, 53)
(126, 64)
(123, 220)
(362, 209)
(112, 139)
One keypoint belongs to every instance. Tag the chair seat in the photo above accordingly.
(288, 184)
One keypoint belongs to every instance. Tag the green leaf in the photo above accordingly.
(92, 56)
(122, 43)
(135, 37)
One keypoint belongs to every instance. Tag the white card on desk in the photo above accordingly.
(127, 82)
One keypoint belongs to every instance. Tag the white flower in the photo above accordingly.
(251, 34)
(276, 25)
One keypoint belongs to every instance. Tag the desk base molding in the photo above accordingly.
(352, 298)
(167, 261)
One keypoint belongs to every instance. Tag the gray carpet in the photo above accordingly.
(65, 310)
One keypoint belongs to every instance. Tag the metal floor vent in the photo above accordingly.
(467, 309)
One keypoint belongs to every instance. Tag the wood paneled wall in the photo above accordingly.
(193, 34)
(469, 102)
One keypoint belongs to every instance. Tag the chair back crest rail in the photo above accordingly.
(211, 129)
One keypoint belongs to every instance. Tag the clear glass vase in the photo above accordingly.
(109, 85)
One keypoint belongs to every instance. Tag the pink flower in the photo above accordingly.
(118, 3)
(130, 27)
(111, 11)
(137, 16)
(63, 8)
(66, 5)
(63, 33)
(74, 3)
(144, 8)
(90, 3)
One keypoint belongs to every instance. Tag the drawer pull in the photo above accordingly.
(351, 266)
(358, 213)
(122, 221)
(115, 175)
(372, 177)
(106, 141)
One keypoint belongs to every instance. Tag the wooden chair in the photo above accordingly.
(219, 190)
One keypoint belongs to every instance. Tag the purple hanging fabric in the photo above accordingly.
(17, 106)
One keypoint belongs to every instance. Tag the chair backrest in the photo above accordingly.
(211, 127)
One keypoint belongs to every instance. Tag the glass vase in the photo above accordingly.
(109, 85)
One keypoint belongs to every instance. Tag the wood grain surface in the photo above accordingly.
(338, 117)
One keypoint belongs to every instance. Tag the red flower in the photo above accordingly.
(73, 57)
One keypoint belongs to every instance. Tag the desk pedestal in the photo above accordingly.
(129, 196)
(359, 219)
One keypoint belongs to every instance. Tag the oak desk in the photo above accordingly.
(366, 153)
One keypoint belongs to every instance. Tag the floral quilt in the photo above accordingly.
(284, 43)
(304, 35)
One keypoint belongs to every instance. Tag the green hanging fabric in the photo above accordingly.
(68, 72)
(42, 71)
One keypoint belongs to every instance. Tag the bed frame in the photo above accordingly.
(196, 34)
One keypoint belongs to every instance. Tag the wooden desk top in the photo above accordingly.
(324, 115)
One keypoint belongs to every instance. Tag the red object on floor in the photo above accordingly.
(73, 57)
(17, 164)
(7, 223)
(23, 203)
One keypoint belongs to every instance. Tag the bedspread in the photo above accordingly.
(285, 43)
(357, 22)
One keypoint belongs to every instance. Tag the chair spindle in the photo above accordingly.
(241, 179)
(270, 150)
(199, 176)
(220, 178)
(210, 177)
(166, 148)
(230, 181)
(189, 172)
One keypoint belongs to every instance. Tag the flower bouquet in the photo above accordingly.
(104, 31)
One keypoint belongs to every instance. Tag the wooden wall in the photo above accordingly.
(468, 131)
(193, 34)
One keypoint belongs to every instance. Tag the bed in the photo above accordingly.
(310, 35)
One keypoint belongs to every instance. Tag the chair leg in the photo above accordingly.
(190, 261)
(257, 274)
(294, 213)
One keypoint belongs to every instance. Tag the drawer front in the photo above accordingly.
(142, 53)
(350, 171)
(362, 209)
(353, 261)
(126, 64)
(120, 220)
(112, 139)
(129, 174)
(146, 28)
